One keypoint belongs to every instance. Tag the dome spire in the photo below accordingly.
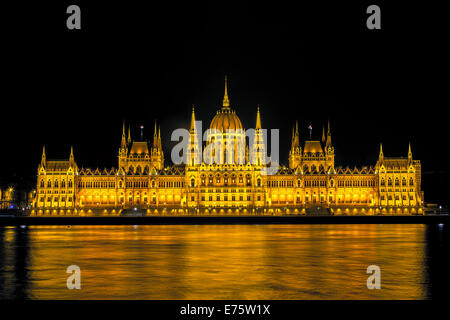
(226, 101)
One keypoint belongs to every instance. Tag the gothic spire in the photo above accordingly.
(192, 129)
(155, 137)
(409, 151)
(328, 144)
(258, 120)
(381, 156)
(123, 144)
(292, 139)
(323, 134)
(296, 137)
(129, 134)
(43, 159)
(71, 157)
(159, 138)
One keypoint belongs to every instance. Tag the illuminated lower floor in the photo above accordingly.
(250, 210)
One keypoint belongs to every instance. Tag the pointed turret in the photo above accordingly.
(123, 144)
(323, 134)
(328, 144)
(297, 136)
(192, 128)
(295, 153)
(226, 100)
(71, 157)
(155, 136)
(193, 156)
(129, 135)
(409, 152)
(156, 154)
(123, 151)
(258, 120)
(292, 139)
(381, 156)
(258, 153)
(43, 158)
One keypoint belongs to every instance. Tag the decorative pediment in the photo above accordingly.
(42, 170)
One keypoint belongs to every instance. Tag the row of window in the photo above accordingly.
(397, 182)
(55, 199)
(276, 184)
(411, 197)
(356, 183)
(56, 184)
(130, 184)
(226, 198)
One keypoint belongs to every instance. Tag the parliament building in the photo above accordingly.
(311, 184)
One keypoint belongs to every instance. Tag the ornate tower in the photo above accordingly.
(193, 156)
(157, 155)
(258, 153)
(295, 154)
(43, 158)
(71, 158)
(123, 150)
(329, 149)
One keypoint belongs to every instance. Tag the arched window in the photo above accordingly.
(258, 183)
(389, 182)
(42, 184)
(403, 182)
(411, 182)
(120, 183)
(397, 182)
(192, 183)
(383, 183)
(49, 184)
(63, 183)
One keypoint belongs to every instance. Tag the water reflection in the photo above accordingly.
(223, 261)
(14, 262)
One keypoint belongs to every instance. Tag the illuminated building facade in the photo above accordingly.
(311, 182)
(7, 197)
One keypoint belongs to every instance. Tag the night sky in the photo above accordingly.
(142, 62)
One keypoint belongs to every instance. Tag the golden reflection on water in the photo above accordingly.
(214, 261)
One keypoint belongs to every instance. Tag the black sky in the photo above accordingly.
(142, 62)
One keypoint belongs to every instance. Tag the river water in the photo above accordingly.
(224, 261)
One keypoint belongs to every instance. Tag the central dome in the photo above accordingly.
(226, 119)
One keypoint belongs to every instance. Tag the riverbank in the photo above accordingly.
(201, 220)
